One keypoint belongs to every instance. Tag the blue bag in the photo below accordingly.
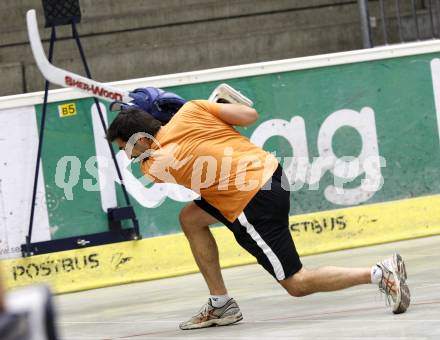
(160, 104)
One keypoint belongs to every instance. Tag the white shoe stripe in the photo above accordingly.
(273, 259)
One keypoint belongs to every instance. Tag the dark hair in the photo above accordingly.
(130, 121)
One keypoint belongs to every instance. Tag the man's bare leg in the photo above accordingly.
(195, 224)
(220, 309)
(325, 279)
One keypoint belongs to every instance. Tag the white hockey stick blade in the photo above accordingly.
(65, 78)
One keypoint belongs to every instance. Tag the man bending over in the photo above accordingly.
(243, 187)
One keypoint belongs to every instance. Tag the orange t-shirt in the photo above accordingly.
(203, 153)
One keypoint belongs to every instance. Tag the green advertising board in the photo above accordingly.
(383, 109)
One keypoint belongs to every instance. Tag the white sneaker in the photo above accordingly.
(211, 316)
(226, 94)
(393, 283)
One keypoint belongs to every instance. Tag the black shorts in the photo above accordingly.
(263, 228)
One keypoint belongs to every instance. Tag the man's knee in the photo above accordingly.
(192, 219)
(296, 292)
(296, 284)
(185, 219)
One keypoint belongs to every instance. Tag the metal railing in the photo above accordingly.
(396, 21)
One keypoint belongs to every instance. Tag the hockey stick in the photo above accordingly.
(65, 78)
(58, 76)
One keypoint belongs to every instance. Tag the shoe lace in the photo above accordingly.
(386, 286)
(204, 311)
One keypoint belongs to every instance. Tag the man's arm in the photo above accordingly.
(237, 114)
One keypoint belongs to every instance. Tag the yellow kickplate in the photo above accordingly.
(170, 255)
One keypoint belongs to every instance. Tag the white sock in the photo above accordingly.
(219, 300)
(376, 274)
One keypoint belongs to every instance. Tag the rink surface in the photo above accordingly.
(153, 310)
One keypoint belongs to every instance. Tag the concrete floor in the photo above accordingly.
(153, 310)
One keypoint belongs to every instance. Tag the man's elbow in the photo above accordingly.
(252, 116)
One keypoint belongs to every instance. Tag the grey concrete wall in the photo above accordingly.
(11, 78)
(139, 38)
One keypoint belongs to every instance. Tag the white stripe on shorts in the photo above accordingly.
(273, 259)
